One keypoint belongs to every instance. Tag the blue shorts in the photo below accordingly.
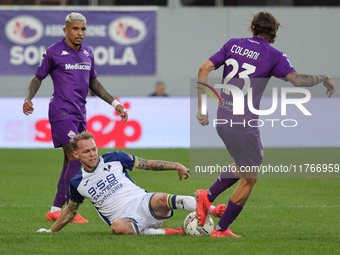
(245, 148)
(63, 131)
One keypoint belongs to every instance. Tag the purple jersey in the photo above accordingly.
(71, 71)
(252, 58)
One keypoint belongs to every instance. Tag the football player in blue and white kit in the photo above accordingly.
(124, 206)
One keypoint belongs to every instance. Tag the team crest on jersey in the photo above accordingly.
(130, 156)
(86, 53)
(107, 168)
(71, 134)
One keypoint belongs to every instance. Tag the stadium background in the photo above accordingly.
(185, 36)
(282, 216)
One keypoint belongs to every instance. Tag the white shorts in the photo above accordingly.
(140, 211)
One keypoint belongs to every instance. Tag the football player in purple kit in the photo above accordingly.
(71, 67)
(253, 61)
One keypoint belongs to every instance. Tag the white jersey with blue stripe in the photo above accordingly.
(109, 186)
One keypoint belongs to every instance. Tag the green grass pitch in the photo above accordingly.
(282, 216)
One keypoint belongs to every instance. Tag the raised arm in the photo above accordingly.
(98, 89)
(31, 91)
(308, 80)
(66, 216)
(159, 165)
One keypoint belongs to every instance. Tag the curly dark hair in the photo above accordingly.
(265, 25)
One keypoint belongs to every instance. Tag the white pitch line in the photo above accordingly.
(292, 206)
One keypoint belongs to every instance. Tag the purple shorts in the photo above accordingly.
(245, 148)
(63, 131)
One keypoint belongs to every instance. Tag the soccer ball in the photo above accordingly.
(192, 228)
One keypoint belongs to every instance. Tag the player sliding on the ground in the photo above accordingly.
(124, 206)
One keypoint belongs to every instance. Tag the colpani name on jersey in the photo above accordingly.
(78, 66)
(244, 52)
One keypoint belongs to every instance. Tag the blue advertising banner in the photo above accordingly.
(123, 42)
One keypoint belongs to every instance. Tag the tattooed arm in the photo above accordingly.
(159, 165)
(98, 89)
(66, 216)
(31, 91)
(308, 80)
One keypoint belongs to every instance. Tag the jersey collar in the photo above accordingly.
(69, 47)
(259, 39)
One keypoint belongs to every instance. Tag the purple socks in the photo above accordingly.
(224, 181)
(63, 188)
(230, 214)
(60, 199)
(72, 169)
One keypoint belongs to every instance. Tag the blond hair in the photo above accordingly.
(74, 16)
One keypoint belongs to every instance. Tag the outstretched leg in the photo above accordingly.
(162, 203)
(126, 226)
(205, 198)
(236, 203)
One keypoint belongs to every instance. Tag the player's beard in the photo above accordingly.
(89, 167)
(76, 44)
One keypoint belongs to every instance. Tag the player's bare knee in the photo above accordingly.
(159, 205)
(163, 200)
(249, 182)
(253, 181)
(159, 200)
